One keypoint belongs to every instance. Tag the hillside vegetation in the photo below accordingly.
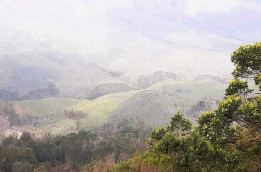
(154, 106)
(225, 139)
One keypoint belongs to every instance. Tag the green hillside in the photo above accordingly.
(49, 111)
(155, 105)
(159, 102)
(192, 91)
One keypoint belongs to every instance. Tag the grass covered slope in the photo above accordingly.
(192, 91)
(159, 102)
(153, 105)
(49, 111)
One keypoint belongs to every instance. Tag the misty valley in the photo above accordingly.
(161, 122)
(130, 86)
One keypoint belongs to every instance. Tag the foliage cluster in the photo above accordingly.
(227, 139)
(74, 150)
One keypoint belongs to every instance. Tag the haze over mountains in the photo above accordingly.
(130, 85)
(87, 49)
(117, 55)
(40, 77)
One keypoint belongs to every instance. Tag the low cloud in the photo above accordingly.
(131, 35)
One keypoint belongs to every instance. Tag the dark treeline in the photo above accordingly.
(76, 151)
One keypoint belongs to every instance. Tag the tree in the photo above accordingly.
(248, 62)
(237, 120)
(237, 86)
(75, 115)
(179, 124)
(248, 66)
(226, 139)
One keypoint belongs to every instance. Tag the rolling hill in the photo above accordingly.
(153, 105)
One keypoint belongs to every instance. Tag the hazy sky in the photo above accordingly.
(119, 34)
